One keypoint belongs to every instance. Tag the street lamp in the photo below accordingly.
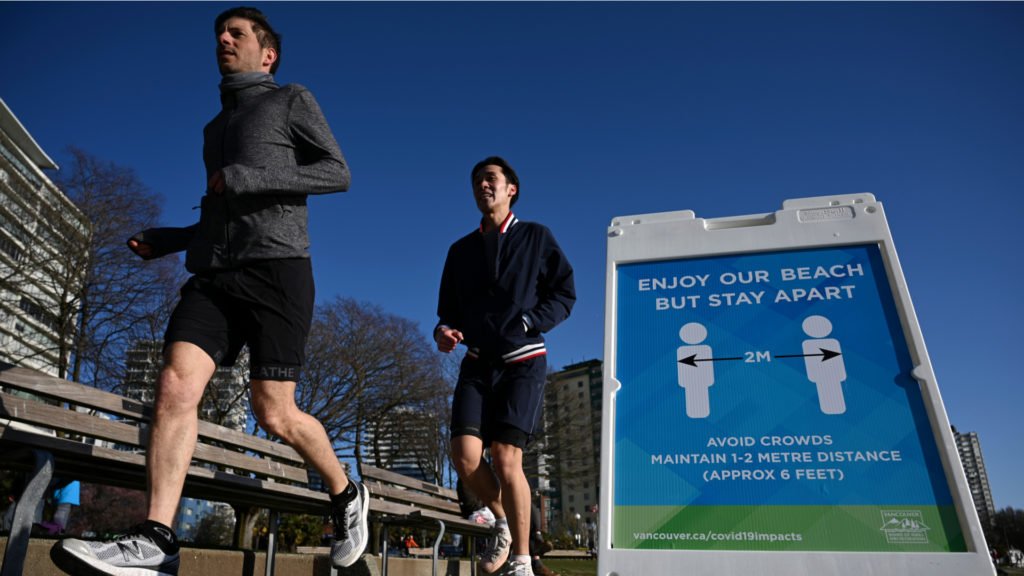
(577, 529)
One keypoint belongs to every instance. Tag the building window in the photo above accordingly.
(38, 312)
(10, 248)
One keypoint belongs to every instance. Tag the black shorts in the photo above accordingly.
(267, 305)
(499, 402)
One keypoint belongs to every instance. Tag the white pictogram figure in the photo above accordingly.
(824, 362)
(695, 377)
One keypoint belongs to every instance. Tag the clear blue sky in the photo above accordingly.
(605, 109)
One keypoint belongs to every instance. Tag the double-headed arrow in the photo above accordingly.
(825, 355)
(692, 360)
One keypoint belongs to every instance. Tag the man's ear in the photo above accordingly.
(269, 57)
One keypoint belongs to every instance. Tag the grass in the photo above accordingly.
(572, 566)
(588, 567)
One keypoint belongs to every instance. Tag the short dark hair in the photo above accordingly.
(506, 169)
(264, 31)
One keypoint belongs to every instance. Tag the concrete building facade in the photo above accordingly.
(969, 447)
(572, 436)
(43, 243)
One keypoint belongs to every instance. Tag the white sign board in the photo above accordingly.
(769, 403)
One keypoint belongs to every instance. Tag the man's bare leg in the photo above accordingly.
(515, 493)
(467, 457)
(172, 438)
(273, 404)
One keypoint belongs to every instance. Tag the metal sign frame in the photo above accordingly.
(645, 306)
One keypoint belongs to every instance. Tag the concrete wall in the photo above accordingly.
(197, 561)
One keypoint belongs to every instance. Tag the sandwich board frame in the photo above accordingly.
(769, 404)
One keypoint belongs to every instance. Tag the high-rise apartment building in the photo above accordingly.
(969, 447)
(43, 250)
(572, 445)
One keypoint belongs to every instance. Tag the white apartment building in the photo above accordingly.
(37, 224)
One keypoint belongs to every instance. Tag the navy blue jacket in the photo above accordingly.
(504, 288)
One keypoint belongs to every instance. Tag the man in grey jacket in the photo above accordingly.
(252, 284)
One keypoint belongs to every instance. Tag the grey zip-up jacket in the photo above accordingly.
(274, 148)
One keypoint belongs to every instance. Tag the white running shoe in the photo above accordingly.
(351, 533)
(514, 568)
(483, 516)
(134, 554)
(497, 551)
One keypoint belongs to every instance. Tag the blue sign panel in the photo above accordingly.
(771, 394)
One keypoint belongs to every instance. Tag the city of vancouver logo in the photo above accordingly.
(904, 527)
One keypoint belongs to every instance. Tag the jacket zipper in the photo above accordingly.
(223, 197)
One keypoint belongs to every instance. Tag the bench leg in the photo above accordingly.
(271, 541)
(437, 547)
(24, 514)
(384, 551)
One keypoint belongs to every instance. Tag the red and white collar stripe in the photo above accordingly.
(507, 223)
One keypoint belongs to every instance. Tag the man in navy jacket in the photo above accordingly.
(503, 286)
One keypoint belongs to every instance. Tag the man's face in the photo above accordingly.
(238, 49)
(491, 191)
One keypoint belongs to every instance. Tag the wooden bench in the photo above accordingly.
(106, 445)
(47, 435)
(397, 500)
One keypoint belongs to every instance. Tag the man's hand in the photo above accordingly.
(141, 248)
(216, 183)
(447, 338)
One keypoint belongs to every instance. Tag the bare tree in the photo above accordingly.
(122, 298)
(106, 509)
(215, 528)
(366, 372)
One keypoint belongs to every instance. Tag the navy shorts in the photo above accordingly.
(267, 305)
(499, 402)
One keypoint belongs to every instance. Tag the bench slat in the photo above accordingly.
(387, 476)
(101, 465)
(395, 513)
(416, 499)
(78, 394)
(57, 418)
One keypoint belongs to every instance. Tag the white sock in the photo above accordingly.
(501, 522)
(521, 558)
